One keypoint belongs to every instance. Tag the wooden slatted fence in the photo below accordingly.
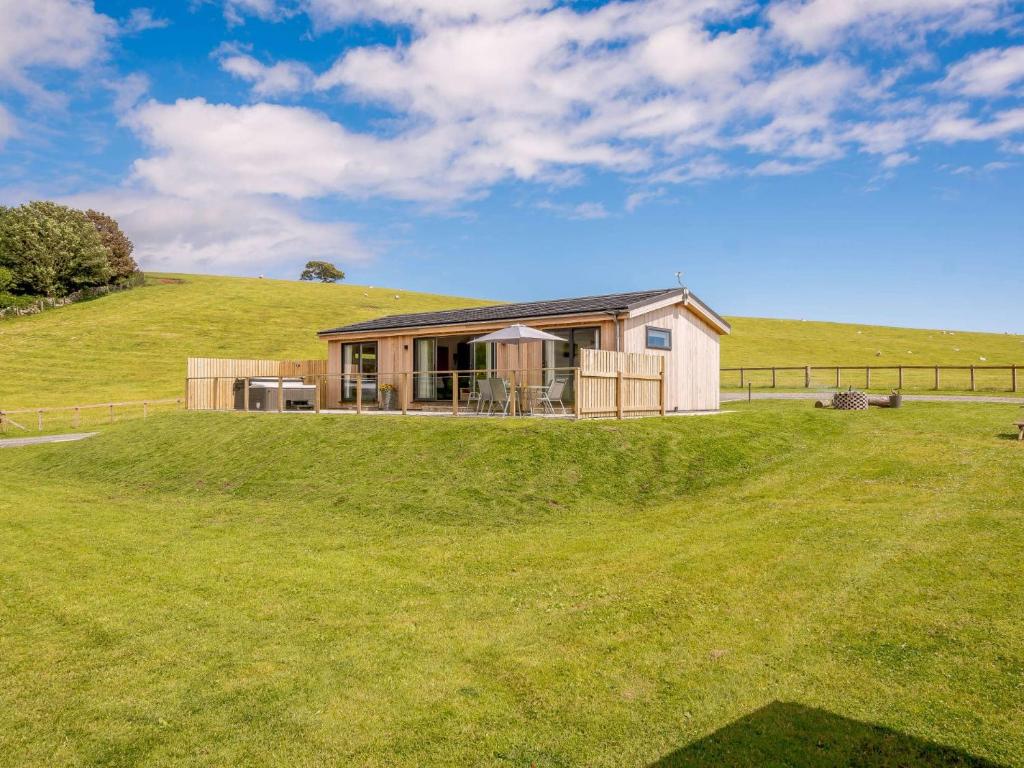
(620, 384)
(210, 381)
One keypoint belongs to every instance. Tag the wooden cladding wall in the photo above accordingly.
(620, 384)
(206, 392)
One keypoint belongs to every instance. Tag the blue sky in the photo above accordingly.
(821, 159)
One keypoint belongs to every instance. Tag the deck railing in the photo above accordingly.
(588, 392)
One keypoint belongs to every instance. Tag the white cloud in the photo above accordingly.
(817, 24)
(987, 73)
(49, 34)
(280, 79)
(898, 159)
(587, 211)
(329, 13)
(238, 234)
(142, 19)
(953, 124)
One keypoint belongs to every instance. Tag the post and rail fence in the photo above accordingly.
(77, 416)
(960, 378)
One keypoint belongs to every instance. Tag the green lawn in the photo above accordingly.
(133, 345)
(757, 341)
(775, 586)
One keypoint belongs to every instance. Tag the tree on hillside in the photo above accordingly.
(323, 271)
(119, 247)
(51, 249)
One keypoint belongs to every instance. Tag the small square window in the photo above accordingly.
(659, 338)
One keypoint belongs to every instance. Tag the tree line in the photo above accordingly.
(52, 250)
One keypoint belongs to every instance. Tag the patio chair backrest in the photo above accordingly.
(484, 386)
(556, 388)
(499, 389)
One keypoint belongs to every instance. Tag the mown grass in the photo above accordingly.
(133, 345)
(235, 589)
(757, 341)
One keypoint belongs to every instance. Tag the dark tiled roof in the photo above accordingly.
(608, 303)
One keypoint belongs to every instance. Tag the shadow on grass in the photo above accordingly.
(1014, 436)
(795, 736)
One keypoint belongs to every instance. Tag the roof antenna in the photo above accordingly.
(679, 279)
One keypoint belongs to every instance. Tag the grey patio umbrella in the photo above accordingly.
(517, 334)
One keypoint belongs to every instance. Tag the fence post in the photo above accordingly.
(145, 409)
(1013, 378)
(245, 394)
(111, 413)
(39, 419)
(838, 379)
(867, 377)
(406, 392)
(937, 378)
(359, 392)
(774, 381)
(77, 421)
(577, 392)
(807, 377)
(901, 377)
(513, 394)
(216, 393)
(280, 394)
(3, 423)
(455, 393)
(618, 394)
(973, 388)
(316, 393)
(741, 378)
(661, 386)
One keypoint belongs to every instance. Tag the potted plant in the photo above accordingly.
(387, 397)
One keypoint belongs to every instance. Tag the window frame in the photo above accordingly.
(647, 337)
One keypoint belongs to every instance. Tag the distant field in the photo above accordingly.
(775, 587)
(764, 342)
(133, 345)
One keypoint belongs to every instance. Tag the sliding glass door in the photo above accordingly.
(359, 359)
(559, 356)
(435, 356)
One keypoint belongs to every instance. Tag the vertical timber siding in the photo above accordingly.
(691, 366)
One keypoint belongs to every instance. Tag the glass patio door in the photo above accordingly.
(359, 359)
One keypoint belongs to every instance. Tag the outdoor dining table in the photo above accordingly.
(528, 395)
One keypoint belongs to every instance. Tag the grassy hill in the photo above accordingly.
(133, 345)
(757, 341)
(786, 587)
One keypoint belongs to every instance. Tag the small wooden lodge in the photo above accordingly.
(643, 353)
(672, 326)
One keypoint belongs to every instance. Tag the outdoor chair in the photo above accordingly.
(500, 396)
(553, 394)
(483, 394)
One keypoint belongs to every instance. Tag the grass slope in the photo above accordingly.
(133, 345)
(759, 341)
(781, 587)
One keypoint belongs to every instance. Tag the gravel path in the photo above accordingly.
(732, 397)
(19, 442)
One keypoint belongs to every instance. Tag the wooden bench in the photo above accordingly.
(1020, 430)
